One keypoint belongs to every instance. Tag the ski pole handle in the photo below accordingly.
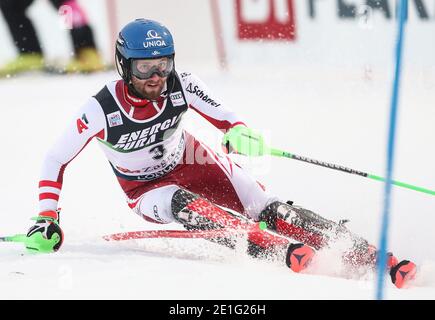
(284, 154)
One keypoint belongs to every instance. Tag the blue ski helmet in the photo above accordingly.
(141, 39)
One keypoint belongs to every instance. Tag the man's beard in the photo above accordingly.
(150, 93)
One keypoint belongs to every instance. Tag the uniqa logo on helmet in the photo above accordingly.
(154, 40)
(154, 43)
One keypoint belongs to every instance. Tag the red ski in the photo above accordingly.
(149, 234)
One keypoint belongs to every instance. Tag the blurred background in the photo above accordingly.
(315, 76)
(350, 34)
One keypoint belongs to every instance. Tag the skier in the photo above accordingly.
(170, 176)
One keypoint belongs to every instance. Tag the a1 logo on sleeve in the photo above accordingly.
(82, 123)
(177, 99)
(114, 119)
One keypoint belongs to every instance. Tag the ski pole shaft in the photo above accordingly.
(284, 154)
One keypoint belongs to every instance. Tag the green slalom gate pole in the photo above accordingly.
(284, 154)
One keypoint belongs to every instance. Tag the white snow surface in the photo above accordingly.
(330, 115)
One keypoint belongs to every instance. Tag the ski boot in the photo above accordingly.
(300, 224)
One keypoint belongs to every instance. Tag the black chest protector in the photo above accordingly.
(127, 135)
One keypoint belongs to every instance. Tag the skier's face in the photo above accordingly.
(149, 75)
(150, 88)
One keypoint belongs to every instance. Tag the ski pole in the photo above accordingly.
(15, 238)
(284, 154)
(250, 143)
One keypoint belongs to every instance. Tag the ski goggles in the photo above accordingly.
(145, 68)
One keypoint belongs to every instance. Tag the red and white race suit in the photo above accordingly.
(150, 153)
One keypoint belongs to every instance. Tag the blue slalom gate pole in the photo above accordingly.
(382, 260)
